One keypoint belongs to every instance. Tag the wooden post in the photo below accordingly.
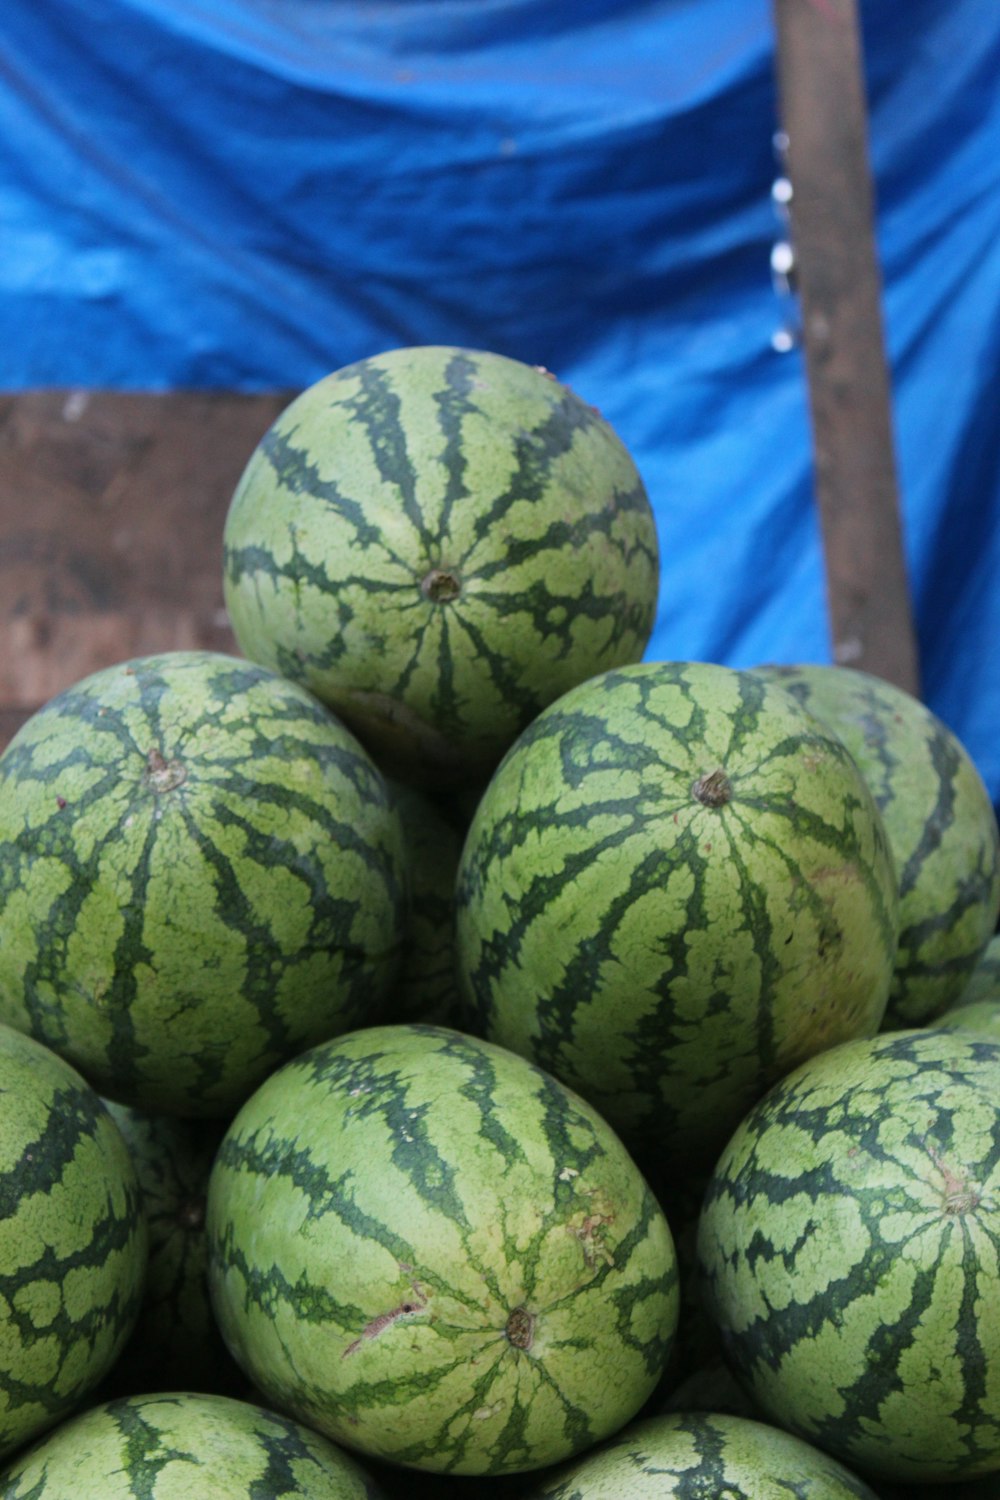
(824, 117)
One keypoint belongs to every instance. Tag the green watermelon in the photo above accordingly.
(850, 1253)
(437, 542)
(200, 873)
(978, 1006)
(675, 888)
(430, 1250)
(73, 1240)
(939, 821)
(176, 1344)
(984, 981)
(980, 1016)
(184, 1446)
(703, 1456)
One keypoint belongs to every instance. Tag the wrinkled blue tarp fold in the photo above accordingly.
(250, 193)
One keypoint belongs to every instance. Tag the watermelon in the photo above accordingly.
(984, 982)
(939, 821)
(703, 1456)
(176, 1344)
(73, 1240)
(184, 1446)
(981, 1016)
(674, 889)
(426, 987)
(978, 1006)
(849, 1246)
(200, 873)
(437, 542)
(431, 1251)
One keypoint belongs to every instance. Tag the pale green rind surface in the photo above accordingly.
(850, 1251)
(200, 873)
(73, 1241)
(703, 1456)
(182, 1446)
(940, 823)
(667, 958)
(457, 461)
(430, 1250)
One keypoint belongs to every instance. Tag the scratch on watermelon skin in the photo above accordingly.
(675, 888)
(437, 542)
(703, 1455)
(73, 1240)
(850, 1254)
(940, 823)
(205, 1447)
(396, 1224)
(174, 935)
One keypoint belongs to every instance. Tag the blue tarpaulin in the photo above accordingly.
(250, 193)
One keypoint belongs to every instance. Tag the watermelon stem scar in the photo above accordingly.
(440, 585)
(520, 1328)
(714, 789)
(163, 775)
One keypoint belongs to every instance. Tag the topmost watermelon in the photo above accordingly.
(438, 542)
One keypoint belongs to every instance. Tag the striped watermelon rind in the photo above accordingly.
(850, 1254)
(703, 1455)
(200, 873)
(437, 542)
(73, 1240)
(675, 887)
(433, 1252)
(173, 1444)
(939, 821)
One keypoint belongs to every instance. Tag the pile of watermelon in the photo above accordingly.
(446, 1053)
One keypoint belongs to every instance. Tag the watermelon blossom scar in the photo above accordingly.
(520, 1328)
(440, 585)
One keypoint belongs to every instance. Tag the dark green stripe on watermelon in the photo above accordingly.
(437, 542)
(200, 872)
(850, 1253)
(445, 1246)
(675, 887)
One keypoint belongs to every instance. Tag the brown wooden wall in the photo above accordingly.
(111, 515)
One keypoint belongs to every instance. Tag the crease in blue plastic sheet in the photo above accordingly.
(246, 194)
